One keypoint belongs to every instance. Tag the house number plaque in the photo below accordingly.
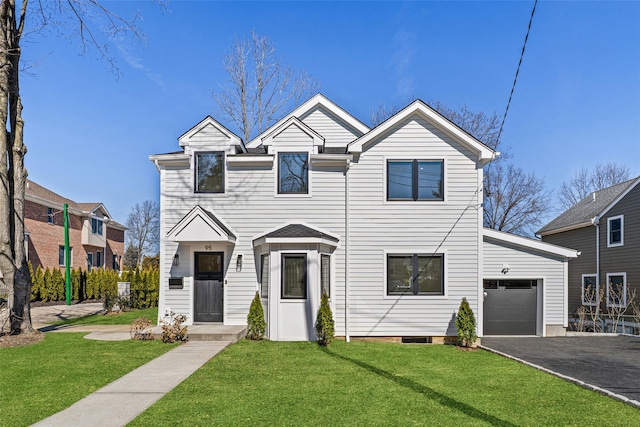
(207, 247)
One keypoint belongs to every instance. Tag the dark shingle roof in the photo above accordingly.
(217, 221)
(299, 231)
(588, 208)
(37, 190)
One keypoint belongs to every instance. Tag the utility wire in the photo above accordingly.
(533, 11)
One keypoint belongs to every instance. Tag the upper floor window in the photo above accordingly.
(615, 231)
(415, 274)
(50, 215)
(293, 173)
(415, 180)
(96, 226)
(209, 170)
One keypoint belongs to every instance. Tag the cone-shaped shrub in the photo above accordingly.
(255, 320)
(325, 328)
(466, 324)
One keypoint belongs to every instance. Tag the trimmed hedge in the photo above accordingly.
(49, 285)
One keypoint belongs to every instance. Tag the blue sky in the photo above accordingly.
(577, 101)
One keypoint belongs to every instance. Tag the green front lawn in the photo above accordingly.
(275, 383)
(125, 318)
(39, 380)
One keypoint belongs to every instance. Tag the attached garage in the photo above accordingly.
(524, 286)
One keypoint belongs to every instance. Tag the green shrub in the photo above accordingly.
(466, 324)
(325, 328)
(255, 320)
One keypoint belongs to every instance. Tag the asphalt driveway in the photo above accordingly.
(611, 363)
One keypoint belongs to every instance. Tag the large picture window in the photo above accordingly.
(294, 276)
(293, 173)
(615, 226)
(590, 290)
(415, 180)
(209, 172)
(415, 274)
(616, 289)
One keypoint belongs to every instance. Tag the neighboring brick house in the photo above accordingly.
(96, 240)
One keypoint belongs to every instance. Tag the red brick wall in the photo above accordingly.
(45, 239)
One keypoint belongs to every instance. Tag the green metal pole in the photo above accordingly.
(67, 254)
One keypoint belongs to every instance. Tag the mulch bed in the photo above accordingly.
(21, 340)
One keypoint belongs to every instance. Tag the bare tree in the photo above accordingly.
(514, 200)
(260, 88)
(584, 182)
(144, 230)
(79, 14)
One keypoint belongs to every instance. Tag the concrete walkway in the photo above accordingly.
(121, 401)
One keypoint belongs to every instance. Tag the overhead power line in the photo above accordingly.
(515, 79)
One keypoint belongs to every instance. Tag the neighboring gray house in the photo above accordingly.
(387, 221)
(605, 228)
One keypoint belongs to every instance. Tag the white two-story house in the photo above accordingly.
(386, 221)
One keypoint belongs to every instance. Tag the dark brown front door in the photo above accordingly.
(208, 286)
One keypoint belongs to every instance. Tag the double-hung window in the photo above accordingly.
(209, 172)
(415, 180)
(415, 274)
(294, 276)
(50, 215)
(293, 173)
(616, 289)
(590, 290)
(96, 226)
(61, 255)
(615, 231)
(98, 259)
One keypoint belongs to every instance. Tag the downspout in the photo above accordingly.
(596, 222)
(346, 254)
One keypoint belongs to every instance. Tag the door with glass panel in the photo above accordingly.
(208, 286)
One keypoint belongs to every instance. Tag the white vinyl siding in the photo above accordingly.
(378, 226)
(528, 264)
(335, 133)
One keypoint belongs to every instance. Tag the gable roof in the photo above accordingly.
(293, 121)
(210, 121)
(589, 209)
(200, 225)
(314, 102)
(485, 153)
(38, 194)
(527, 243)
(296, 233)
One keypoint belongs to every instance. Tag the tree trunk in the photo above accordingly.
(13, 266)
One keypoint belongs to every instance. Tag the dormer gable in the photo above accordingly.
(485, 153)
(305, 111)
(293, 135)
(210, 135)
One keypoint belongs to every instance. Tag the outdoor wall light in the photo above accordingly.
(176, 259)
(505, 268)
(239, 263)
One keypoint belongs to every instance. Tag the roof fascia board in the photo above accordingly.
(316, 100)
(485, 154)
(620, 197)
(530, 243)
(331, 159)
(249, 159)
(271, 230)
(198, 211)
(569, 228)
(295, 240)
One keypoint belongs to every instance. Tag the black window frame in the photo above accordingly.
(98, 259)
(306, 276)
(50, 214)
(114, 263)
(61, 255)
(414, 286)
(415, 184)
(195, 172)
(89, 264)
(286, 153)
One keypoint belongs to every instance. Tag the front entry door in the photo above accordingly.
(208, 286)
